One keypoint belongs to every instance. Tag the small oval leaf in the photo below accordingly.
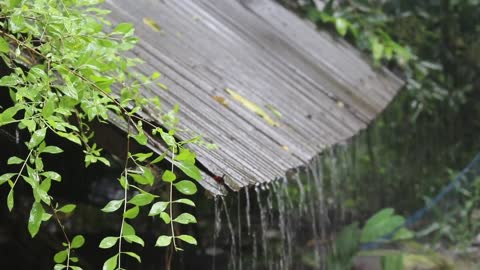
(168, 176)
(134, 255)
(165, 217)
(132, 212)
(185, 201)
(68, 208)
(78, 241)
(135, 239)
(60, 256)
(158, 208)
(10, 200)
(108, 242)
(186, 187)
(188, 238)
(185, 218)
(14, 160)
(112, 206)
(189, 169)
(163, 241)
(111, 263)
(142, 199)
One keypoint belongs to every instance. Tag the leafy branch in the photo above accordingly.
(64, 67)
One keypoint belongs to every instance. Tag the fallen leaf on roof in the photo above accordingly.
(152, 24)
(221, 100)
(274, 110)
(163, 86)
(252, 107)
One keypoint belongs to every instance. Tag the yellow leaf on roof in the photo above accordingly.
(252, 107)
(152, 24)
(221, 100)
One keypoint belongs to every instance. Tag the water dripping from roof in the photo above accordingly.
(233, 247)
(263, 223)
(239, 225)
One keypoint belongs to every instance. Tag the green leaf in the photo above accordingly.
(342, 26)
(186, 187)
(59, 267)
(60, 256)
(52, 150)
(134, 239)
(13, 3)
(134, 255)
(403, 234)
(189, 169)
(168, 139)
(48, 108)
(155, 75)
(10, 200)
(78, 241)
(165, 217)
(146, 178)
(147, 173)
(132, 212)
(108, 242)
(168, 176)
(123, 182)
(123, 28)
(377, 49)
(30, 124)
(4, 47)
(186, 155)
(380, 224)
(35, 218)
(141, 157)
(5, 177)
(185, 201)
(141, 138)
(157, 208)
(111, 263)
(14, 160)
(8, 81)
(71, 137)
(46, 217)
(163, 241)
(142, 199)
(68, 208)
(128, 229)
(185, 218)
(52, 175)
(142, 180)
(159, 158)
(187, 238)
(112, 206)
(37, 137)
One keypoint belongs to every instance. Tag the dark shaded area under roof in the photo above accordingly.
(325, 90)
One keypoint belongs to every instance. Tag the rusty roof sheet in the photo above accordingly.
(323, 88)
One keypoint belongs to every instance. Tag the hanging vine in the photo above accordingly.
(66, 71)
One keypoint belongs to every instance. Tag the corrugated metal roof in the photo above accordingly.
(324, 89)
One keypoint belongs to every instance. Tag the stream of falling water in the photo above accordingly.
(239, 225)
(263, 223)
(216, 229)
(232, 262)
(290, 222)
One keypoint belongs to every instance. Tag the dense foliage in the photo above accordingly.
(66, 69)
(431, 129)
